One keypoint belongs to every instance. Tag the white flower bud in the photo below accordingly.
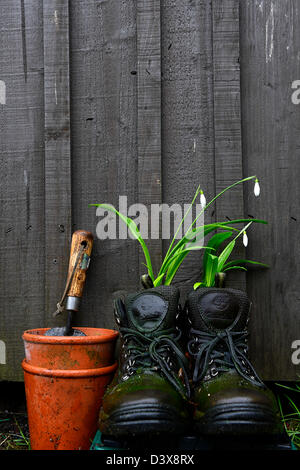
(202, 199)
(256, 188)
(245, 239)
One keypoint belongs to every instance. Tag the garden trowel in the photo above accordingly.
(81, 248)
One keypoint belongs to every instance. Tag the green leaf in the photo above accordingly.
(227, 251)
(225, 255)
(174, 268)
(192, 237)
(289, 388)
(215, 241)
(294, 405)
(211, 270)
(182, 220)
(198, 284)
(194, 234)
(220, 194)
(185, 251)
(243, 221)
(234, 267)
(157, 281)
(174, 263)
(244, 261)
(135, 232)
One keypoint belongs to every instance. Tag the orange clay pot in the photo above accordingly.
(64, 395)
(70, 352)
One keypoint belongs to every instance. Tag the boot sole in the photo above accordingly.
(136, 420)
(238, 419)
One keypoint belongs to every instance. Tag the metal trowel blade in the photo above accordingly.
(61, 331)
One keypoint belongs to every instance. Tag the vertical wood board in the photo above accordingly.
(227, 119)
(57, 152)
(22, 178)
(104, 144)
(187, 115)
(149, 118)
(270, 62)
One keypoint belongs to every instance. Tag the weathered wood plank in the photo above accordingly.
(149, 117)
(57, 152)
(104, 136)
(123, 118)
(22, 178)
(270, 42)
(227, 118)
(187, 113)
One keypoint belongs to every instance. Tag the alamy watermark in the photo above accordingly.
(296, 94)
(296, 353)
(158, 221)
(2, 92)
(2, 352)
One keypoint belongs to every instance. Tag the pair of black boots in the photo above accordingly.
(186, 371)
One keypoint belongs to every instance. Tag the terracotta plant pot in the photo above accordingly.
(70, 352)
(65, 379)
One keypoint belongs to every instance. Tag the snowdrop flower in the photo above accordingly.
(202, 199)
(245, 239)
(256, 188)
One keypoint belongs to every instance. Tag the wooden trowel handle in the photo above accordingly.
(82, 242)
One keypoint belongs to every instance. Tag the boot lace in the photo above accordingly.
(159, 352)
(218, 351)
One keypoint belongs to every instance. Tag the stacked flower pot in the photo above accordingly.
(65, 379)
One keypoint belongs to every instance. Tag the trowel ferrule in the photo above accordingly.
(73, 303)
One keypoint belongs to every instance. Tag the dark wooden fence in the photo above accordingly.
(146, 99)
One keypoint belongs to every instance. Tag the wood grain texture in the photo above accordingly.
(187, 114)
(149, 118)
(270, 62)
(104, 144)
(227, 119)
(22, 178)
(57, 153)
(149, 106)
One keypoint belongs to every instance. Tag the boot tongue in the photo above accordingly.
(152, 310)
(218, 309)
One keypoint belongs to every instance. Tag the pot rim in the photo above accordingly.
(68, 373)
(105, 336)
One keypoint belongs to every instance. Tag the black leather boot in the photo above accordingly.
(229, 396)
(149, 393)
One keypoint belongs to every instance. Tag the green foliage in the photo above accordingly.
(14, 438)
(291, 421)
(189, 243)
(213, 264)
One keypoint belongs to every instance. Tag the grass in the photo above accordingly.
(13, 434)
(290, 413)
